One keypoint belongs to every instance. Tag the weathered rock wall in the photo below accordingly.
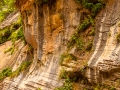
(106, 54)
(48, 28)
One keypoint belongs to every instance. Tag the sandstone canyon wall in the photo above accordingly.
(48, 28)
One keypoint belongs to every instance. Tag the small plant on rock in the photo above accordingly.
(72, 41)
(63, 74)
(21, 68)
(67, 85)
(119, 24)
(38, 89)
(5, 73)
(112, 88)
(10, 49)
(118, 37)
(67, 57)
(96, 8)
(92, 32)
(4, 34)
(79, 44)
(61, 16)
(89, 46)
(84, 25)
(17, 35)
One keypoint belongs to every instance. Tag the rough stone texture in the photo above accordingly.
(48, 28)
(106, 54)
(13, 17)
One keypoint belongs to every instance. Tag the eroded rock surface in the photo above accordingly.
(106, 55)
(48, 28)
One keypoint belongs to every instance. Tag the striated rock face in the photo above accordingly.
(15, 15)
(106, 56)
(48, 28)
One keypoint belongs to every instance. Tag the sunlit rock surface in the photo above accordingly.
(48, 27)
